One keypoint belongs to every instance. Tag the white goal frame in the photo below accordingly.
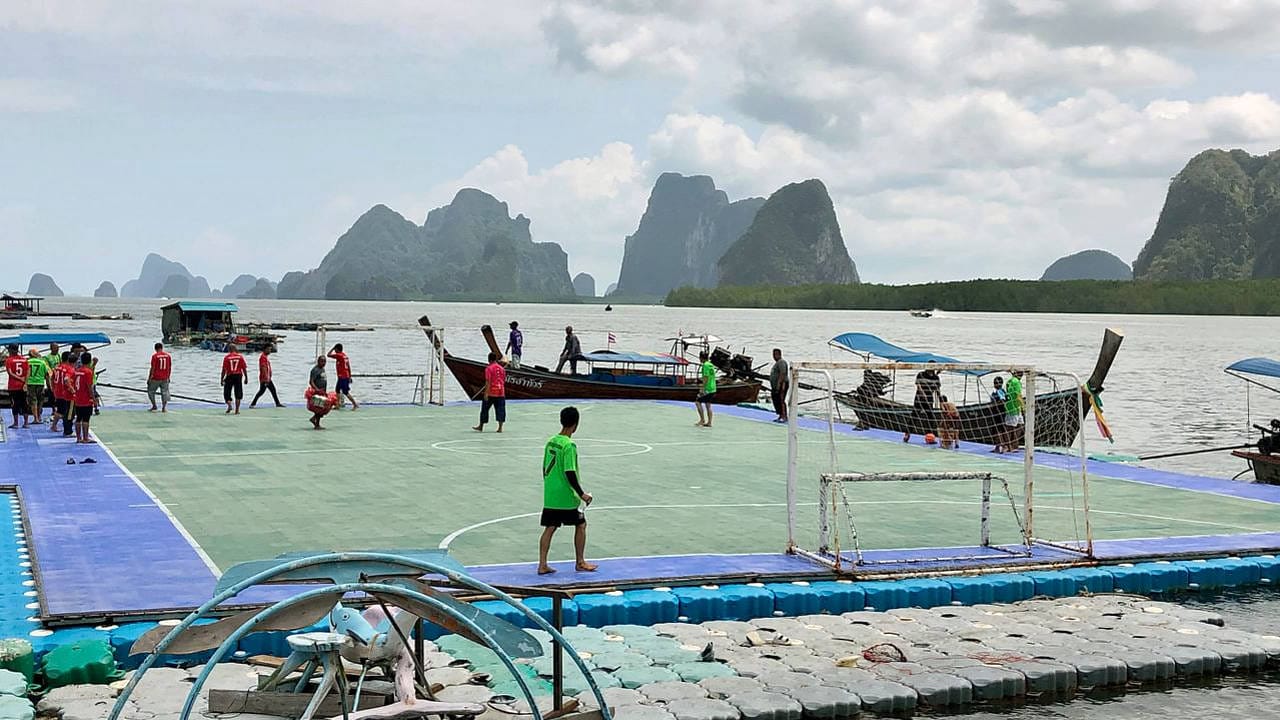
(823, 370)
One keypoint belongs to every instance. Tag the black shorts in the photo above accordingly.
(63, 406)
(706, 397)
(555, 517)
(19, 399)
(233, 384)
(344, 385)
(84, 413)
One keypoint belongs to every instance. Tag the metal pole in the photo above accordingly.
(557, 657)
(824, 522)
(986, 512)
(1029, 448)
(1084, 472)
(793, 457)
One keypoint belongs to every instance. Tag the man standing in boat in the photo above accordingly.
(342, 365)
(779, 384)
(495, 394)
(515, 345)
(562, 494)
(571, 352)
(924, 411)
(708, 392)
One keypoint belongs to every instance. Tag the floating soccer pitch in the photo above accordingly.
(672, 501)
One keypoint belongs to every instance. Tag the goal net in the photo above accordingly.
(914, 464)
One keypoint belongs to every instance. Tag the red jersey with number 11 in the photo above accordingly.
(161, 366)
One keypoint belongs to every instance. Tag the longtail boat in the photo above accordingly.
(1262, 457)
(1057, 411)
(91, 340)
(611, 375)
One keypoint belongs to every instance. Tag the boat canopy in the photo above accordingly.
(636, 358)
(62, 338)
(1256, 366)
(868, 344)
(202, 306)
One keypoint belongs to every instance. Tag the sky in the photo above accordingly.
(958, 138)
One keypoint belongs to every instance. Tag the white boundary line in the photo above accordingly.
(448, 539)
(177, 524)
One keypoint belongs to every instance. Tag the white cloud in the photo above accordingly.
(21, 95)
(586, 204)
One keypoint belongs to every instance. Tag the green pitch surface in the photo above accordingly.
(255, 485)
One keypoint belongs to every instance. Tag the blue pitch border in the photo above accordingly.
(104, 547)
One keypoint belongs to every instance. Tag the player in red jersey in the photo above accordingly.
(235, 371)
(16, 366)
(265, 382)
(82, 397)
(64, 383)
(342, 365)
(158, 378)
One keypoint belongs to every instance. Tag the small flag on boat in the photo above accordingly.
(612, 339)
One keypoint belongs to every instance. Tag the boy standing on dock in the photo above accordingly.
(16, 366)
(82, 397)
(64, 382)
(495, 394)
(1013, 412)
(158, 378)
(264, 378)
(235, 371)
(708, 391)
(342, 365)
(562, 494)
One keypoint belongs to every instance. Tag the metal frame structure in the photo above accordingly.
(833, 485)
(379, 584)
(824, 370)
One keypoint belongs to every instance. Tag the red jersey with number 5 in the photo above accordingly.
(17, 367)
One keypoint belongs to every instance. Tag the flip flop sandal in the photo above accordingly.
(71, 461)
(88, 461)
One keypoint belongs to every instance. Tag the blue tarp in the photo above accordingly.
(201, 306)
(640, 358)
(62, 338)
(1257, 366)
(868, 344)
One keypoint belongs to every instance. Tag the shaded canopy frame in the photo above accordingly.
(1260, 366)
(338, 559)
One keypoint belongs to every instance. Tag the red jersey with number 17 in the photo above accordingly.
(161, 366)
(233, 364)
(18, 370)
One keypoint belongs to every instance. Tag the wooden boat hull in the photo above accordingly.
(1057, 418)
(530, 383)
(1266, 468)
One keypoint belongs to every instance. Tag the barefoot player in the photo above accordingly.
(562, 494)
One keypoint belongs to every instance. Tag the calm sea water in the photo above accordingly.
(1166, 392)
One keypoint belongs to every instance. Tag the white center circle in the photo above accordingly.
(587, 447)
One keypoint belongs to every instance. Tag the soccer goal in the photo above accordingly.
(948, 464)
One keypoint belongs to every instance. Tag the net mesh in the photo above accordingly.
(938, 422)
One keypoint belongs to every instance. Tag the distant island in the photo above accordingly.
(1088, 265)
(1207, 297)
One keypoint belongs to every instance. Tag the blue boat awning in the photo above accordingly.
(1257, 366)
(62, 338)
(868, 344)
(639, 358)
